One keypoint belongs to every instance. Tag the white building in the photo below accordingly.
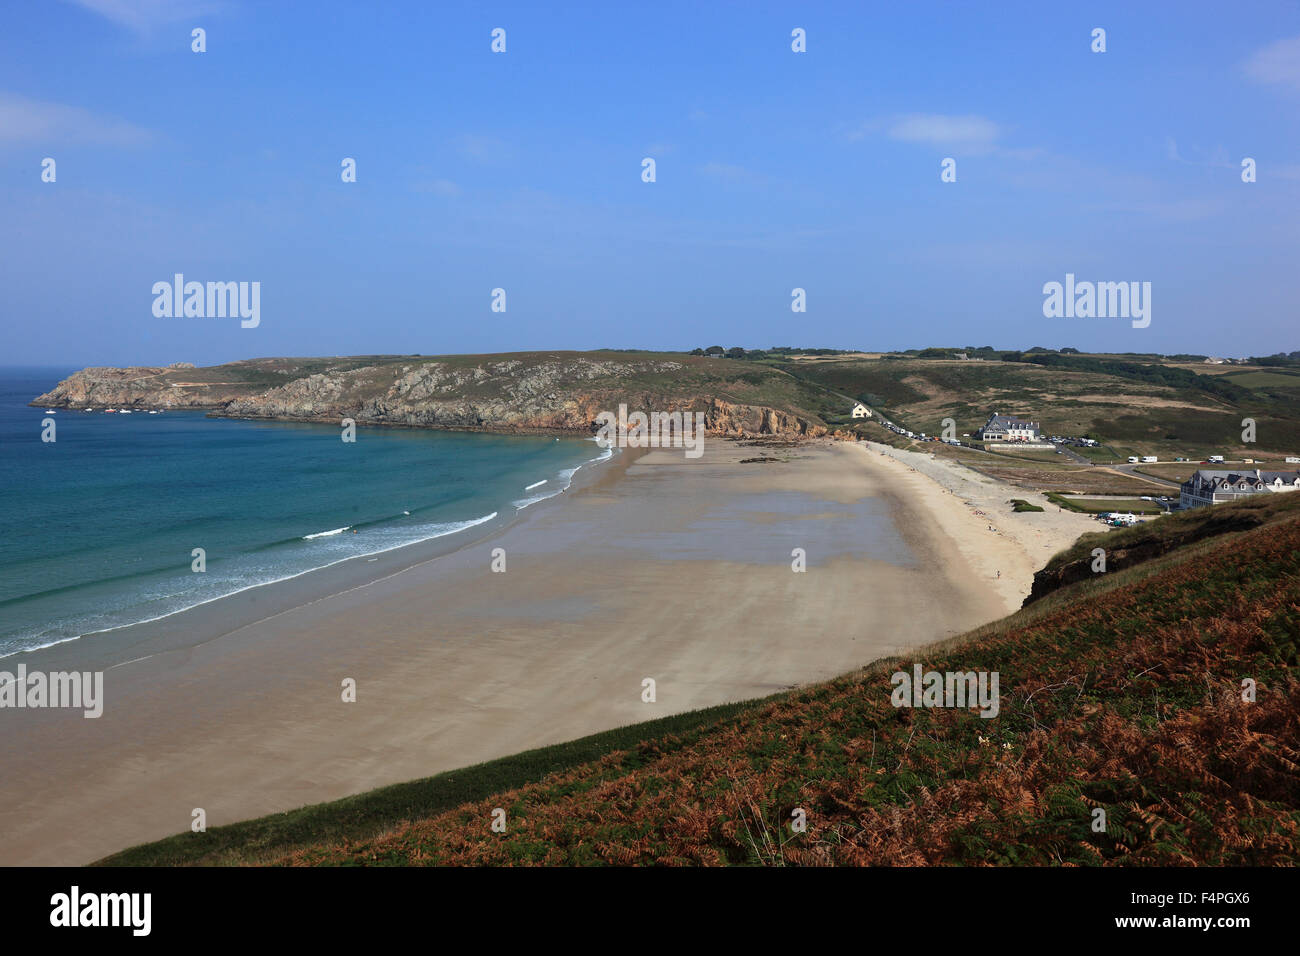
(861, 411)
(1216, 487)
(1006, 428)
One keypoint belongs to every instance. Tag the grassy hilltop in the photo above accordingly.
(1135, 405)
(1121, 691)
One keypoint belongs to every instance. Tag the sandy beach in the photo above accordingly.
(652, 565)
(988, 534)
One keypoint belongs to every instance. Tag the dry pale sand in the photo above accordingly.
(997, 539)
(658, 567)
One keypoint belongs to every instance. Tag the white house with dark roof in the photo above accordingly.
(1216, 487)
(1007, 428)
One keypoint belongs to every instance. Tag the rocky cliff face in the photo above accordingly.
(139, 386)
(502, 395)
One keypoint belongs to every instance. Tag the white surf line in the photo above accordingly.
(327, 597)
(363, 586)
(220, 597)
(31, 650)
(535, 484)
(326, 534)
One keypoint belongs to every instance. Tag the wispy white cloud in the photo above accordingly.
(734, 175)
(488, 150)
(24, 120)
(969, 134)
(1278, 64)
(438, 187)
(143, 16)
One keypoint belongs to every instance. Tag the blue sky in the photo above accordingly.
(522, 171)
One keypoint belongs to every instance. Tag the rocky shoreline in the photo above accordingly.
(553, 395)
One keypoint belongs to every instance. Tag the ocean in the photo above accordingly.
(98, 528)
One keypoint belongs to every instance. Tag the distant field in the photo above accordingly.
(835, 358)
(1102, 453)
(1052, 456)
(1081, 481)
(1174, 471)
(1132, 410)
(1264, 379)
(1057, 464)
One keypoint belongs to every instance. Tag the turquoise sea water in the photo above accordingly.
(97, 528)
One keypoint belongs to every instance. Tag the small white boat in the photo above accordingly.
(50, 411)
(153, 413)
(125, 411)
